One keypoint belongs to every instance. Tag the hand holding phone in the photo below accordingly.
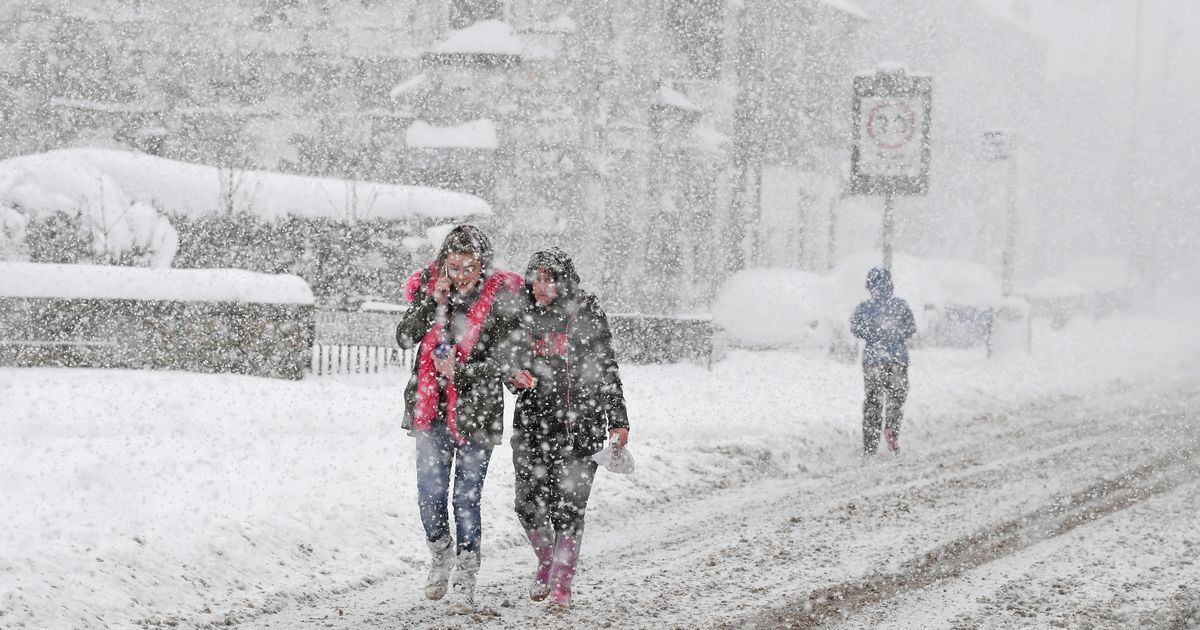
(441, 288)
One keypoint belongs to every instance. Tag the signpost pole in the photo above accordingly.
(889, 207)
(1010, 237)
(998, 145)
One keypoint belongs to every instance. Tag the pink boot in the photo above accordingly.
(893, 440)
(542, 541)
(566, 552)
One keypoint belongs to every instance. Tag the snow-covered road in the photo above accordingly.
(1057, 487)
(1073, 513)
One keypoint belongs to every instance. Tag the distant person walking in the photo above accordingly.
(570, 403)
(885, 322)
(463, 320)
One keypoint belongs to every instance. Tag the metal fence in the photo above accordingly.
(352, 342)
(352, 359)
(358, 342)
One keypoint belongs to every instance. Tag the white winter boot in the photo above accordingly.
(442, 551)
(462, 587)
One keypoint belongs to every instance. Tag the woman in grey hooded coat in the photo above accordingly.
(571, 405)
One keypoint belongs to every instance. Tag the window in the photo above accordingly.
(464, 13)
(696, 30)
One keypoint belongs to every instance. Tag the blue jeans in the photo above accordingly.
(436, 452)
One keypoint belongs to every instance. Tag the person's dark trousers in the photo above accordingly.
(552, 486)
(436, 453)
(886, 387)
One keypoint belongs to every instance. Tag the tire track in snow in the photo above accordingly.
(966, 553)
(717, 557)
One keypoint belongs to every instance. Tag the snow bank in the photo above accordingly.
(33, 280)
(195, 189)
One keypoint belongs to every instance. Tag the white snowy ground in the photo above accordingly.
(140, 498)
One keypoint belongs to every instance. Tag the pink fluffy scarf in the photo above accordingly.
(426, 408)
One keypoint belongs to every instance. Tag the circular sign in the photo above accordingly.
(891, 124)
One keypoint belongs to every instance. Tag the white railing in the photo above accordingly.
(348, 359)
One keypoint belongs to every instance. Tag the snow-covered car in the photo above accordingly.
(778, 308)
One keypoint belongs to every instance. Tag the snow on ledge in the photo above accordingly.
(409, 85)
(671, 97)
(106, 282)
(477, 134)
(485, 37)
(563, 24)
(198, 190)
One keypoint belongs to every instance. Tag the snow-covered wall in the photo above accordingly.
(108, 282)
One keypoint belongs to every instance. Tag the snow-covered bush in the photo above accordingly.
(347, 239)
(55, 209)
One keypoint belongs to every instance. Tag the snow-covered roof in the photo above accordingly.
(196, 189)
(477, 134)
(845, 6)
(485, 37)
(670, 97)
(107, 282)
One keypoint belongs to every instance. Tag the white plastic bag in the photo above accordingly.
(615, 457)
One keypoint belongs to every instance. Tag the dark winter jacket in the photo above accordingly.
(578, 396)
(480, 379)
(885, 322)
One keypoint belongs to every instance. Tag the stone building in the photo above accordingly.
(634, 134)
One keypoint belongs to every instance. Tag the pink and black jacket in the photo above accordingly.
(484, 326)
(578, 396)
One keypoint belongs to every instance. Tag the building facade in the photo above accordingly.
(636, 135)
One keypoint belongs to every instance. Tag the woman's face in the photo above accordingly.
(464, 271)
(544, 291)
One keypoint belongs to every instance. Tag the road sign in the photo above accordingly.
(891, 152)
